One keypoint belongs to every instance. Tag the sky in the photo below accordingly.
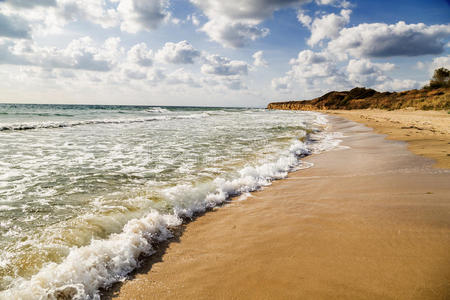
(215, 52)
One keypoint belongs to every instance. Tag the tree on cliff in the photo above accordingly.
(441, 78)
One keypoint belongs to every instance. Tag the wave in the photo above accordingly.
(101, 263)
(49, 124)
(158, 110)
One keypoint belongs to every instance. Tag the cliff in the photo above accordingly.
(362, 98)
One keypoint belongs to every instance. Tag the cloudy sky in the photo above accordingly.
(215, 52)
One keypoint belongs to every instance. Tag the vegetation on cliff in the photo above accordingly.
(435, 96)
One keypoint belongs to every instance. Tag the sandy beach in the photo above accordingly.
(370, 220)
(427, 132)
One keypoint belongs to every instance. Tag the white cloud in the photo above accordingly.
(440, 62)
(398, 85)
(180, 76)
(435, 63)
(80, 54)
(222, 66)
(178, 53)
(140, 54)
(420, 65)
(382, 40)
(233, 34)
(337, 3)
(312, 72)
(155, 76)
(193, 19)
(259, 61)
(94, 11)
(134, 72)
(304, 19)
(235, 23)
(234, 83)
(281, 83)
(140, 15)
(327, 26)
(52, 18)
(254, 10)
(366, 73)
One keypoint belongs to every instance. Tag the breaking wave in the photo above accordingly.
(50, 124)
(101, 263)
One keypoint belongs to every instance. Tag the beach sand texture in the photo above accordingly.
(427, 132)
(369, 221)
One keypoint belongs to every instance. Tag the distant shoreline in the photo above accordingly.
(418, 117)
(426, 132)
(363, 98)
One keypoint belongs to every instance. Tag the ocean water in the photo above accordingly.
(86, 190)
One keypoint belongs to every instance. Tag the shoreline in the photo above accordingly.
(354, 225)
(426, 132)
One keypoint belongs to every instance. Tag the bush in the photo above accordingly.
(441, 78)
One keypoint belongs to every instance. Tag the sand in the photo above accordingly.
(427, 132)
(369, 221)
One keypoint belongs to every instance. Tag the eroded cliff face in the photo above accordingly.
(362, 98)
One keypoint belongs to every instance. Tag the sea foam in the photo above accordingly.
(89, 268)
(55, 124)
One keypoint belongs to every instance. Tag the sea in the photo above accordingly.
(87, 191)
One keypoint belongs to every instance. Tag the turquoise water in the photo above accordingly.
(85, 190)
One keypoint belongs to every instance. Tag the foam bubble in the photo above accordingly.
(97, 265)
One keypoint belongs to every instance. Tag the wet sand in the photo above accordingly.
(427, 132)
(367, 222)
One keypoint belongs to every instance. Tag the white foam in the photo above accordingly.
(50, 124)
(97, 265)
(158, 110)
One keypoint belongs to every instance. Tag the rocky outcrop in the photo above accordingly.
(362, 98)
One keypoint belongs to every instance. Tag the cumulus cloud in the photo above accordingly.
(194, 19)
(304, 19)
(222, 66)
(258, 59)
(436, 63)
(314, 72)
(255, 10)
(140, 55)
(398, 85)
(180, 76)
(178, 53)
(366, 73)
(8, 57)
(235, 23)
(281, 84)
(382, 40)
(95, 11)
(327, 26)
(140, 15)
(233, 34)
(309, 64)
(81, 54)
(47, 19)
(440, 62)
(134, 72)
(234, 83)
(14, 27)
(338, 3)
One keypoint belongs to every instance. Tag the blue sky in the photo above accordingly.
(215, 52)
